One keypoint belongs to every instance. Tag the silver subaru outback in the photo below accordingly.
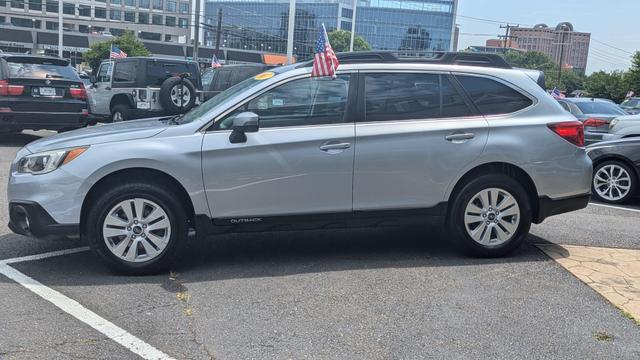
(389, 141)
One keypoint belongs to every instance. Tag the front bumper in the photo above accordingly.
(30, 219)
(549, 207)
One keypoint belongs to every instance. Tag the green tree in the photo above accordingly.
(340, 40)
(606, 85)
(633, 76)
(570, 80)
(101, 50)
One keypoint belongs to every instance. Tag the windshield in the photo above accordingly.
(600, 107)
(218, 99)
(40, 69)
(632, 103)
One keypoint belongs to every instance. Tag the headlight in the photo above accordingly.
(46, 162)
(613, 123)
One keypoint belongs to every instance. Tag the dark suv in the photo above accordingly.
(139, 87)
(38, 92)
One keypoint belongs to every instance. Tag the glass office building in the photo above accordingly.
(411, 27)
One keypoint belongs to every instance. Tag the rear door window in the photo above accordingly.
(104, 74)
(34, 68)
(408, 96)
(493, 97)
(124, 72)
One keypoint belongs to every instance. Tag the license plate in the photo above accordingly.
(143, 105)
(47, 91)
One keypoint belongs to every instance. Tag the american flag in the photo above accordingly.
(557, 94)
(214, 62)
(325, 62)
(117, 53)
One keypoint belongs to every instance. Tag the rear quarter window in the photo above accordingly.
(493, 97)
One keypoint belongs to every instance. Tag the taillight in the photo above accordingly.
(78, 92)
(10, 90)
(572, 131)
(594, 122)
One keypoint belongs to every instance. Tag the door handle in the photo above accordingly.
(459, 138)
(334, 146)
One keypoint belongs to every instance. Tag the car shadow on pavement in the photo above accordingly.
(280, 254)
(17, 139)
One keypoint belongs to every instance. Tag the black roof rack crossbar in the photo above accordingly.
(444, 58)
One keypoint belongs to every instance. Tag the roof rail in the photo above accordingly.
(445, 58)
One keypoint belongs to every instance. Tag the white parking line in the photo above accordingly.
(75, 309)
(615, 207)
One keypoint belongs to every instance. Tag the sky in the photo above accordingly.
(612, 24)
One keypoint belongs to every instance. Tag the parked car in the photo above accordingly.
(616, 170)
(623, 127)
(217, 80)
(39, 92)
(389, 141)
(595, 114)
(139, 87)
(631, 105)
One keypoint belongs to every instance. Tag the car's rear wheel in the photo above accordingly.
(120, 112)
(614, 182)
(137, 228)
(490, 216)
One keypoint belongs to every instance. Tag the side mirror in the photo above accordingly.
(246, 122)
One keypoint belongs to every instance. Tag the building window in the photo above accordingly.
(83, 29)
(35, 5)
(170, 20)
(171, 6)
(167, 38)
(157, 4)
(144, 4)
(27, 23)
(184, 8)
(129, 16)
(130, 2)
(100, 13)
(17, 4)
(116, 2)
(50, 25)
(116, 32)
(156, 19)
(69, 9)
(150, 36)
(143, 18)
(84, 10)
(183, 23)
(115, 14)
(52, 6)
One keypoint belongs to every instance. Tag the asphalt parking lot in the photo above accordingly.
(370, 294)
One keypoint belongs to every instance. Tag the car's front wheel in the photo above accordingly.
(490, 215)
(137, 228)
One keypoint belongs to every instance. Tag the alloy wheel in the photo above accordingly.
(136, 230)
(492, 217)
(612, 182)
(178, 95)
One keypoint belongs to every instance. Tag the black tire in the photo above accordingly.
(159, 194)
(120, 112)
(633, 182)
(458, 204)
(165, 95)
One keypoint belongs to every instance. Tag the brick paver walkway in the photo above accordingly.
(614, 273)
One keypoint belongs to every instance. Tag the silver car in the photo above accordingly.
(461, 138)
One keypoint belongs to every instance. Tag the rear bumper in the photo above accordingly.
(30, 219)
(42, 120)
(549, 207)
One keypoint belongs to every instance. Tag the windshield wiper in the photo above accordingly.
(175, 120)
